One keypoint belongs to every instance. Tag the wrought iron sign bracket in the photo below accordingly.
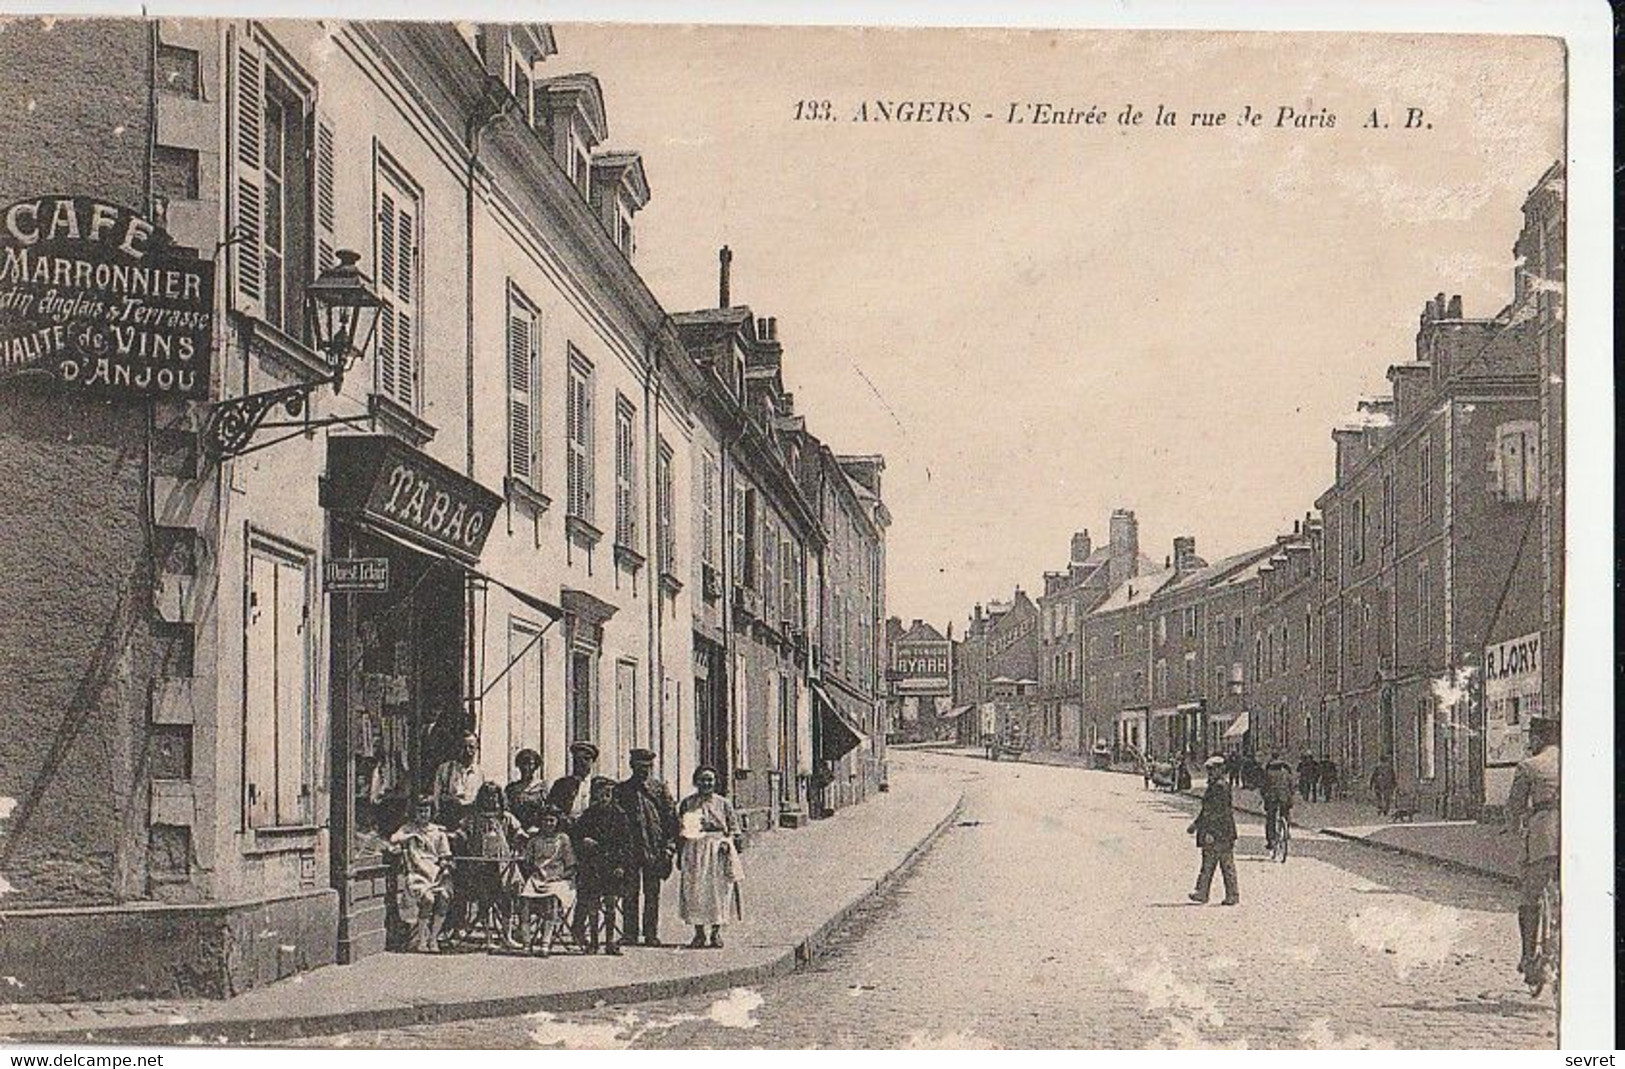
(234, 422)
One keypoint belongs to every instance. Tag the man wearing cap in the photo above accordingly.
(1215, 831)
(648, 804)
(573, 793)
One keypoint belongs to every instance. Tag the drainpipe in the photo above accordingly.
(651, 512)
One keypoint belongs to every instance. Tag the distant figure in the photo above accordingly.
(1328, 778)
(1215, 831)
(1383, 783)
(1276, 791)
(1182, 772)
(1308, 777)
(1232, 768)
(1532, 808)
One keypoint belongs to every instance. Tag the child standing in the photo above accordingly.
(425, 899)
(486, 841)
(602, 837)
(549, 866)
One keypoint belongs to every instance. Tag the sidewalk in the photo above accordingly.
(799, 886)
(1463, 844)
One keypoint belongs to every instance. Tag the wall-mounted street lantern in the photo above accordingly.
(341, 309)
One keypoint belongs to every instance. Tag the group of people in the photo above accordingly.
(529, 860)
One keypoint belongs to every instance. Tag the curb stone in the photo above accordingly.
(271, 1029)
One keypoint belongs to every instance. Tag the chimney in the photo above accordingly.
(1454, 311)
(1080, 547)
(1123, 550)
(1184, 553)
(725, 257)
(773, 326)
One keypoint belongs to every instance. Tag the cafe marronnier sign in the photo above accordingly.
(101, 299)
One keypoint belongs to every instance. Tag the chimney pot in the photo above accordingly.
(724, 261)
(1455, 307)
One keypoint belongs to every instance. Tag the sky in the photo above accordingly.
(1038, 323)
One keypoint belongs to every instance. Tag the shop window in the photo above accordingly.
(278, 687)
(579, 433)
(524, 391)
(626, 504)
(399, 256)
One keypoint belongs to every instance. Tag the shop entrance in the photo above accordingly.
(398, 712)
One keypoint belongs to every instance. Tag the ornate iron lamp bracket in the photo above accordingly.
(233, 422)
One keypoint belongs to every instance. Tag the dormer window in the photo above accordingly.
(623, 227)
(519, 83)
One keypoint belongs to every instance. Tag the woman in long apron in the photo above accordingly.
(708, 853)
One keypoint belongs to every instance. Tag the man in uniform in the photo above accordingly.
(648, 804)
(1532, 808)
(572, 794)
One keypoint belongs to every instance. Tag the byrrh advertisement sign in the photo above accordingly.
(101, 299)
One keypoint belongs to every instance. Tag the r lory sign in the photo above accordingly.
(102, 300)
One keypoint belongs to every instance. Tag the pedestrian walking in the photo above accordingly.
(602, 839)
(1215, 831)
(1384, 783)
(709, 857)
(1328, 778)
(1232, 768)
(1308, 777)
(652, 816)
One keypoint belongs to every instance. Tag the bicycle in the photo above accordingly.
(1281, 840)
(1543, 970)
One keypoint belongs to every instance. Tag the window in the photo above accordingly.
(1308, 637)
(1190, 675)
(787, 580)
(1426, 728)
(746, 536)
(1424, 603)
(578, 417)
(1190, 621)
(578, 164)
(1117, 643)
(1424, 479)
(1357, 530)
(1235, 630)
(708, 509)
(524, 391)
(1390, 519)
(665, 520)
(1269, 649)
(1258, 657)
(278, 688)
(397, 283)
(1517, 461)
(1162, 678)
(626, 504)
(1162, 629)
(178, 71)
(623, 228)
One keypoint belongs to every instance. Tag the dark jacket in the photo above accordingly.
(1308, 770)
(602, 838)
(1278, 783)
(1216, 823)
(562, 795)
(653, 816)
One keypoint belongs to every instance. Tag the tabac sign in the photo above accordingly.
(100, 299)
(389, 484)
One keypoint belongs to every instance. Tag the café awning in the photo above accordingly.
(1237, 729)
(838, 733)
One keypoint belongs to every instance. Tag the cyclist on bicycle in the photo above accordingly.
(1532, 808)
(1277, 795)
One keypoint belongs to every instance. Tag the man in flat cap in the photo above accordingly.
(572, 794)
(648, 804)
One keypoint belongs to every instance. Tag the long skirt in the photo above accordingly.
(709, 889)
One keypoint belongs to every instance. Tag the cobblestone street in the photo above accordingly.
(1055, 915)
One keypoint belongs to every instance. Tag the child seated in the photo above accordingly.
(425, 897)
(488, 834)
(548, 864)
(602, 837)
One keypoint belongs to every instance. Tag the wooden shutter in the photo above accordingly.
(292, 696)
(406, 264)
(248, 158)
(322, 184)
(259, 694)
(388, 364)
(576, 473)
(521, 393)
